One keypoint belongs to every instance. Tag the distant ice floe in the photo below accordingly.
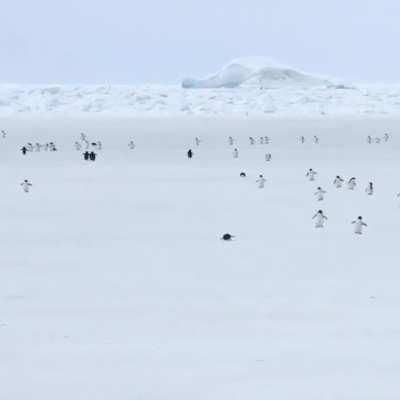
(254, 71)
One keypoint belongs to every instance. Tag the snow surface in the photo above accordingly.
(172, 101)
(114, 283)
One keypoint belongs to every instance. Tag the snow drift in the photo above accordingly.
(256, 71)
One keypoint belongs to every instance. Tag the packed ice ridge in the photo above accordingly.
(242, 88)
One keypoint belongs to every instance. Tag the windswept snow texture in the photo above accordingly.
(173, 101)
(254, 71)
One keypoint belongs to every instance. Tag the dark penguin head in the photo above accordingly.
(319, 188)
(320, 211)
(243, 174)
(360, 218)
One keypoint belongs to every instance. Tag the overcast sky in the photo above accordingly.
(133, 41)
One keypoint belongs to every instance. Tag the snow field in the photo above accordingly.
(114, 282)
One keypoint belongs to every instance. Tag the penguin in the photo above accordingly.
(227, 237)
(320, 219)
(320, 194)
(261, 181)
(359, 225)
(370, 189)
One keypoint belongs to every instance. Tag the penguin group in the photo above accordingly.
(303, 140)
(378, 140)
(320, 218)
(37, 147)
(320, 193)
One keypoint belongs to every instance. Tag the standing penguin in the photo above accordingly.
(86, 155)
(316, 139)
(359, 225)
(266, 139)
(26, 185)
(261, 140)
(197, 141)
(252, 141)
(320, 194)
(370, 189)
(24, 150)
(320, 219)
(3, 134)
(302, 139)
(77, 146)
(190, 153)
(338, 182)
(131, 145)
(351, 184)
(92, 156)
(311, 174)
(268, 157)
(235, 153)
(230, 141)
(369, 139)
(386, 137)
(261, 181)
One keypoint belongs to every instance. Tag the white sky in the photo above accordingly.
(132, 41)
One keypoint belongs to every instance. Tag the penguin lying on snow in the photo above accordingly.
(227, 237)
